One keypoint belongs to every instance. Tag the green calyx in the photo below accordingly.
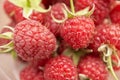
(109, 50)
(71, 13)
(29, 6)
(9, 47)
(76, 55)
(83, 77)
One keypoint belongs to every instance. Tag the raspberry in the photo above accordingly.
(34, 16)
(60, 68)
(115, 14)
(93, 68)
(30, 73)
(9, 8)
(106, 33)
(53, 26)
(78, 32)
(101, 9)
(33, 41)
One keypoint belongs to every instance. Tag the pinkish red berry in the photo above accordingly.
(33, 41)
(78, 32)
(30, 73)
(93, 68)
(60, 68)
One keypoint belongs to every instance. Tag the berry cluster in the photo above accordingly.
(64, 39)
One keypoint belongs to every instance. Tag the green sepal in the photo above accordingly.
(76, 58)
(82, 12)
(6, 35)
(68, 52)
(36, 3)
(10, 28)
(42, 10)
(27, 12)
(14, 54)
(83, 77)
(36, 6)
(29, 6)
(6, 48)
(91, 11)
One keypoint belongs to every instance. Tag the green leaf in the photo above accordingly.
(6, 35)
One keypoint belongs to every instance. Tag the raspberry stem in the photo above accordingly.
(108, 50)
(110, 67)
(72, 6)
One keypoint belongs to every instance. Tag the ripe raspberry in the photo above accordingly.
(93, 68)
(115, 14)
(33, 41)
(9, 8)
(106, 33)
(101, 9)
(30, 73)
(53, 26)
(39, 62)
(78, 31)
(34, 16)
(67, 2)
(60, 68)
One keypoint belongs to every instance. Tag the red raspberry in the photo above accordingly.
(53, 26)
(34, 16)
(30, 73)
(9, 8)
(60, 68)
(39, 62)
(106, 33)
(33, 41)
(78, 31)
(67, 2)
(93, 68)
(101, 8)
(115, 14)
